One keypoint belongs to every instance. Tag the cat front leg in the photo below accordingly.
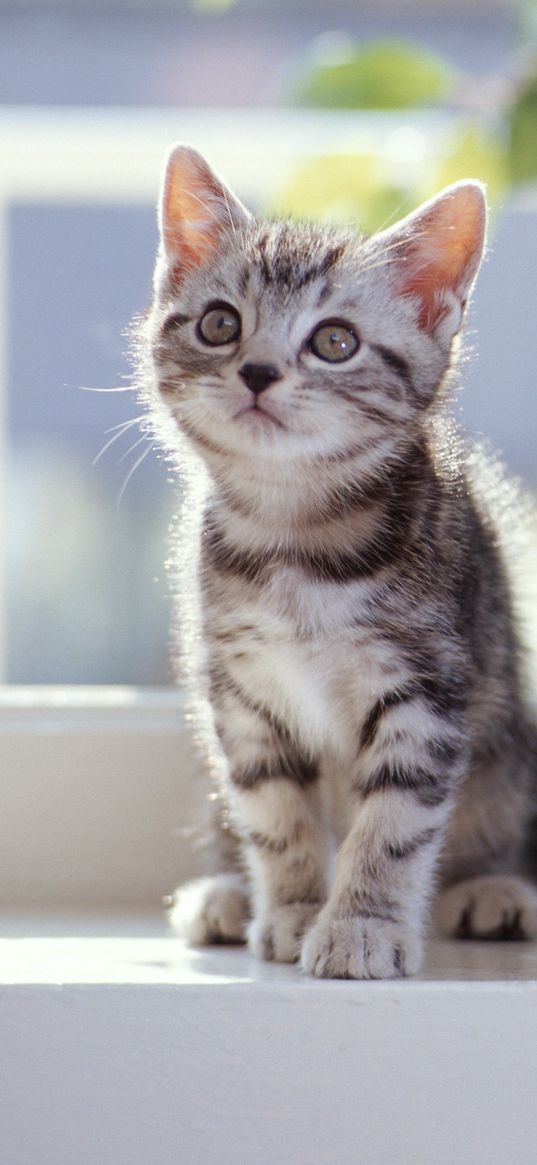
(285, 852)
(272, 794)
(372, 925)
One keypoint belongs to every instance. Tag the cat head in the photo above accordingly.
(275, 340)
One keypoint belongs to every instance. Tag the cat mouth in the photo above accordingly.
(259, 417)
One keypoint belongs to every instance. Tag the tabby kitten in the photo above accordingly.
(347, 626)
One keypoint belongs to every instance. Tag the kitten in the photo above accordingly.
(347, 626)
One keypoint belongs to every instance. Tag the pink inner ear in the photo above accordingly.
(443, 251)
(427, 284)
(192, 210)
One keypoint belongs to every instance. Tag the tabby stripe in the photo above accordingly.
(446, 751)
(229, 559)
(261, 841)
(409, 848)
(376, 713)
(235, 634)
(315, 270)
(440, 696)
(324, 294)
(176, 320)
(288, 762)
(396, 362)
(373, 412)
(262, 254)
(221, 683)
(363, 562)
(342, 454)
(429, 788)
(279, 268)
(295, 768)
(443, 694)
(200, 439)
(271, 844)
(382, 550)
(244, 279)
(341, 501)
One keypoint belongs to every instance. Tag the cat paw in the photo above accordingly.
(276, 936)
(494, 907)
(211, 910)
(360, 948)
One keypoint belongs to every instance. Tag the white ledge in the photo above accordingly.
(131, 948)
(121, 1047)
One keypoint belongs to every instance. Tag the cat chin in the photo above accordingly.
(273, 440)
(266, 436)
(259, 420)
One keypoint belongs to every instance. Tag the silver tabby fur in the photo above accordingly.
(347, 628)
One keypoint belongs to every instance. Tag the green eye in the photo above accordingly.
(221, 324)
(334, 342)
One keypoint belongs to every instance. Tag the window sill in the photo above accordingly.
(135, 1050)
(98, 786)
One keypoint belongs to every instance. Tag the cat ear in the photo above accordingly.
(435, 255)
(196, 209)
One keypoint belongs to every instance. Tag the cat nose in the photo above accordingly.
(257, 377)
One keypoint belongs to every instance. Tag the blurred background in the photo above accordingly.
(341, 110)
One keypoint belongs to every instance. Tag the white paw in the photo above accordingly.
(276, 935)
(211, 910)
(360, 948)
(494, 906)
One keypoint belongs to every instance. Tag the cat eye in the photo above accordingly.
(221, 324)
(334, 342)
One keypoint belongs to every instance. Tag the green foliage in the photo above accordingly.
(493, 135)
(342, 188)
(527, 19)
(472, 152)
(364, 189)
(384, 75)
(522, 122)
(211, 7)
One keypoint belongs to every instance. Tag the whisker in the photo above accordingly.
(126, 424)
(117, 388)
(205, 205)
(119, 431)
(383, 258)
(132, 470)
(229, 215)
(144, 437)
(389, 218)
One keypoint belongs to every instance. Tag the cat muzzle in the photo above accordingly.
(258, 377)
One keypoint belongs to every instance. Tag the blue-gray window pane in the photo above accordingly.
(83, 602)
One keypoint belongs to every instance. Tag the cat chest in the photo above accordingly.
(321, 688)
(305, 651)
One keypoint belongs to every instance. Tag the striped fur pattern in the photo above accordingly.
(347, 632)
